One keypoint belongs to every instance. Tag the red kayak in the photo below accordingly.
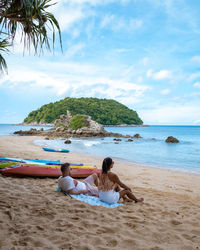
(32, 170)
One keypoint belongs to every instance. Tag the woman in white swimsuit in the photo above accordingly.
(109, 185)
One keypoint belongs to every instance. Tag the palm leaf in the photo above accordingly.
(4, 44)
(31, 18)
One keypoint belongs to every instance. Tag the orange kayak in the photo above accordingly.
(38, 171)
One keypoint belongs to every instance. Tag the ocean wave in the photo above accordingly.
(91, 143)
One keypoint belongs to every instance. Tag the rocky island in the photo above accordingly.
(86, 118)
(74, 126)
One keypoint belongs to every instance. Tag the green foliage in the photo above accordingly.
(104, 111)
(33, 22)
(77, 121)
(60, 124)
(4, 44)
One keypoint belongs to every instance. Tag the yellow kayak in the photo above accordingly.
(58, 166)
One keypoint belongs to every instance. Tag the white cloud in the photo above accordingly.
(75, 33)
(107, 19)
(165, 91)
(117, 23)
(77, 80)
(194, 76)
(91, 2)
(127, 71)
(81, 2)
(145, 61)
(196, 59)
(69, 12)
(160, 75)
(171, 115)
(197, 85)
(68, 16)
(73, 50)
(149, 73)
(95, 2)
(140, 79)
(121, 50)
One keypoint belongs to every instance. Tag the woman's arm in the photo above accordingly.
(114, 178)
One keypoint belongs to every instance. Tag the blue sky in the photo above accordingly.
(144, 54)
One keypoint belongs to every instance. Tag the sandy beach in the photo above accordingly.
(34, 215)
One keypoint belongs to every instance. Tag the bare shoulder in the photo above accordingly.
(112, 176)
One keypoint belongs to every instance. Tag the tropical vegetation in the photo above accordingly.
(78, 121)
(29, 19)
(104, 111)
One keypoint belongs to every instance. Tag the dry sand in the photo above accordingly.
(33, 215)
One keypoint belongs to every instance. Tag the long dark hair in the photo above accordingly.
(106, 165)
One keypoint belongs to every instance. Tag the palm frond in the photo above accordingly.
(31, 18)
(4, 44)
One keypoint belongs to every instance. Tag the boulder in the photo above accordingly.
(33, 130)
(94, 126)
(64, 120)
(130, 140)
(137, 136)
(60, 129)
(79, 131)
(67, 141)
(117, 139)
(18, 132)
(171, 139)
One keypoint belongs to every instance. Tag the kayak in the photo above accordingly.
(47, 162)
(71, 166)
(34, 161)
(56, 150)
(30, 160)
(45, 171)
(5, 164)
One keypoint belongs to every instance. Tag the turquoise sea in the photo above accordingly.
(9, 129)
(183, 156)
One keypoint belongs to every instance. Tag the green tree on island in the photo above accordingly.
(104, 111)
(32, 20)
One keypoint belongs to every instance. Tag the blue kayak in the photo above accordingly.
(56, 150)
(29, 161)
(44, 161)
(34, 161)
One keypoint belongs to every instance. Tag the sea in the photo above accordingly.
(151, 150)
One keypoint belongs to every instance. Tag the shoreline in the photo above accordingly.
(159, 166)
(168, 219)
(52, 125)
(15, 145)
